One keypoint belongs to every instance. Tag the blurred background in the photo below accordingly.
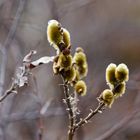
(108, 30)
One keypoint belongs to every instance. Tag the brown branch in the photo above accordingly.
(99, 109)
(89, 116)
(69, 109)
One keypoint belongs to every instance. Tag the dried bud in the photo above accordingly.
(54, 33)
(107, 97)
(70, 74)
(66, 37)
(110, 73)
(119, 90)
(122, 73)
(81, 88)
(64, 61)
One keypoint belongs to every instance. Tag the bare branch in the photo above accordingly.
(69, 109)
(90, 115)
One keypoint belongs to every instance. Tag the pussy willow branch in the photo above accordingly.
(69, 108)
(89, 116)
(92, 113)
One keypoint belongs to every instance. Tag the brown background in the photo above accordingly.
(108, 30)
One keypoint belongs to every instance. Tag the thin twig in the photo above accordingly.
(70, 111)
(90, 115)
(12, 89)
(40, 129)
(2, 69)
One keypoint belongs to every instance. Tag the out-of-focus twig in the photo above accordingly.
(40, 129)
(4, 49)
(2, 69)
(40, 120)
(8, 41)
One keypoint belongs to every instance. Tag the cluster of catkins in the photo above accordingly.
(116, 78)
(72, 68)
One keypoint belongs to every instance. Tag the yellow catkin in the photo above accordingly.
(107, 97)
(80, 61)
(122, 73)
(83, 71)
(54, 33)
(110, 73)
(64, 61)
(70, 74)
(66, 37)
(80, 88)
(120, 90)
(79, 58)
